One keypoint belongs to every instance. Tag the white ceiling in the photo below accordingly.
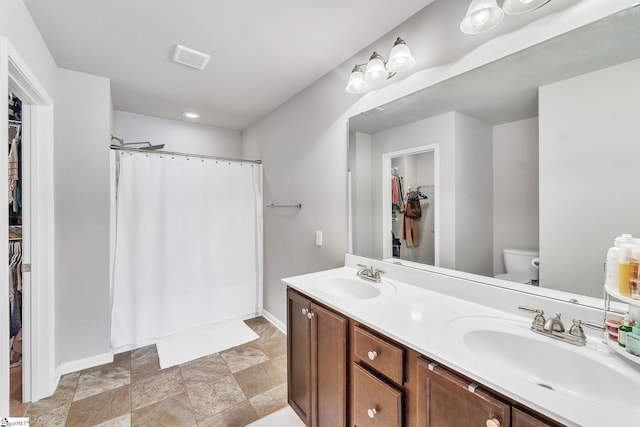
(262, 52)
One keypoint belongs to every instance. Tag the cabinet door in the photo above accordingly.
(523, 419)
(446, 400)
(299, 355)
(329, 367)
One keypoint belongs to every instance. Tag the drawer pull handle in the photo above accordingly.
(304, 311)
(372, 413)
(372, 354)
(493, 422)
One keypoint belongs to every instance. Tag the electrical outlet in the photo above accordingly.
(318, 238)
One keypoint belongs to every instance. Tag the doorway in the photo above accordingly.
(410, 205)
(39, 377)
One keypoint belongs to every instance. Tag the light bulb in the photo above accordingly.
(480, 17)
(356, 82)
(400, 58)
(376, 70)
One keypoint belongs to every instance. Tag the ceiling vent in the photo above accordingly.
(190, 58)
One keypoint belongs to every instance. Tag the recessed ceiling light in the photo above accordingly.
(191, 114)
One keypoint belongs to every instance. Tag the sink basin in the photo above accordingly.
(509, 345)
(350, 287)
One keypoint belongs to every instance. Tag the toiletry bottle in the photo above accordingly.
(634, 269)
(623, 269)
(633, 340)
(611, 275)
(624, 330)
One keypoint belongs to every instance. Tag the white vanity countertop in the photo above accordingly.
(424, 321)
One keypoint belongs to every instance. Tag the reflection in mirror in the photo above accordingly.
(536, 168)
(411, 224)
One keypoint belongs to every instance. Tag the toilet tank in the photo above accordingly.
(522, 262)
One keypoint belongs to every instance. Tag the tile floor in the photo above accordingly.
(233, 388)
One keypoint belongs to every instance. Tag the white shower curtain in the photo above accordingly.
(188, 245)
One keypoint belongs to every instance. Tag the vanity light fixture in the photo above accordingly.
(377, 69)
(484, 15)
(191, 114)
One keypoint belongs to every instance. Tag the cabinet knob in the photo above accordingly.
(372, 354)
(493, 422)
(310, 314)
(304, 311)
(372, 412)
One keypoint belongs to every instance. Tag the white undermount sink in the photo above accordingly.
(351, 287)
(579, 372)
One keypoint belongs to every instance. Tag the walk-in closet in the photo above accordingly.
(15, 252)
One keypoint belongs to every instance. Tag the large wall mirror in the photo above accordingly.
(533, 159)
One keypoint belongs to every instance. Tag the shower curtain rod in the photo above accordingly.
(172, 153)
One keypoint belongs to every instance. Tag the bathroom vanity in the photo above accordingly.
(419, 349)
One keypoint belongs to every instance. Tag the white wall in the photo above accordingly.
(515, 188)
(177, 135)
(474, 195)
(589, 154)
(81, 158)
(17, 25)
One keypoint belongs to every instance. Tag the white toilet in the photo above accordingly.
(522, 265)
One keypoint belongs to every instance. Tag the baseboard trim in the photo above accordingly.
(87, 362)
(274, 321)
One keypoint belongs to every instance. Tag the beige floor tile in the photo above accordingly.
(102, 380)
(120, 360)
(144, 363)
(260, 378)
(274, 346)
(172, 412)
(281, 363)
(123, 421)
(61, 398)
(209, 369)
(270, 401)
(236, 416)
(143, 355)
(167, 383)
(208, 398)
(242, 357)
(256, 322)
(56, 417)
(203, 390)
(100, 407)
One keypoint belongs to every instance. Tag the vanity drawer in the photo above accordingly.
(375, 403)
(381, 355)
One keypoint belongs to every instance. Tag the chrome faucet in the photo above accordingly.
(554, 327)
(371, 274)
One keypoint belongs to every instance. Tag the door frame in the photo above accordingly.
(387, 252)
(39, 370)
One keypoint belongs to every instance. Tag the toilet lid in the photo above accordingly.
(514, 278)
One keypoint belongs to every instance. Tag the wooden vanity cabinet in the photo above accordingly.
(341, 373)
(316, 362)
(447, 400)
(520, 418)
